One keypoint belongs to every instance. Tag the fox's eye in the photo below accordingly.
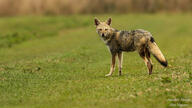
(100, 29)
(106, 29)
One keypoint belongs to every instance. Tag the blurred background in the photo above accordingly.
(58, 7)
(52, 57)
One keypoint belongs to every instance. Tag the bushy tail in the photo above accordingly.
(154, 49)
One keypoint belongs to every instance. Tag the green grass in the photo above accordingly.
(60, 62)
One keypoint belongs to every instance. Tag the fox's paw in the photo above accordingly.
(120, 73)
(108, 75)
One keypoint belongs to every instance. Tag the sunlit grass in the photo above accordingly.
(67, 68)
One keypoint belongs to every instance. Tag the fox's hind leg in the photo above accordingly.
(143, 53)
(149, 63)
(112, 64)
(120, 57)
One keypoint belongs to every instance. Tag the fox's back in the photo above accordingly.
(131, 40)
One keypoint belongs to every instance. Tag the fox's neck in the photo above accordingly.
(111, 36)
(114, 30)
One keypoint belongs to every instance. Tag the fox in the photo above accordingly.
(119, 41)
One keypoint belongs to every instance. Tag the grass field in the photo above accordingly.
(60, 62)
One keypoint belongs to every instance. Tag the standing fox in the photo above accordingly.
(134, 40)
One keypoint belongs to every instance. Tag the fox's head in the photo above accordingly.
(103, 28)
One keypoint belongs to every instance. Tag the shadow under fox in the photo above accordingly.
(134, 40)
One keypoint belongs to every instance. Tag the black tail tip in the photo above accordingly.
(165, 64)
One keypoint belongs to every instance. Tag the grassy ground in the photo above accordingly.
(60, 62)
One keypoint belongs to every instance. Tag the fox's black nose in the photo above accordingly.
(102, 34)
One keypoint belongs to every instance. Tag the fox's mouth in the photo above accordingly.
(103, 35)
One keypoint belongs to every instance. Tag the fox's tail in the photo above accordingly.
(154, 49)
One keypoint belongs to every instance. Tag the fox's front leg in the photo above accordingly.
(120, 56)
(112, 65)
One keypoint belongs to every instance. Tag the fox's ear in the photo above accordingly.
(97, 22)
(109, 21)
